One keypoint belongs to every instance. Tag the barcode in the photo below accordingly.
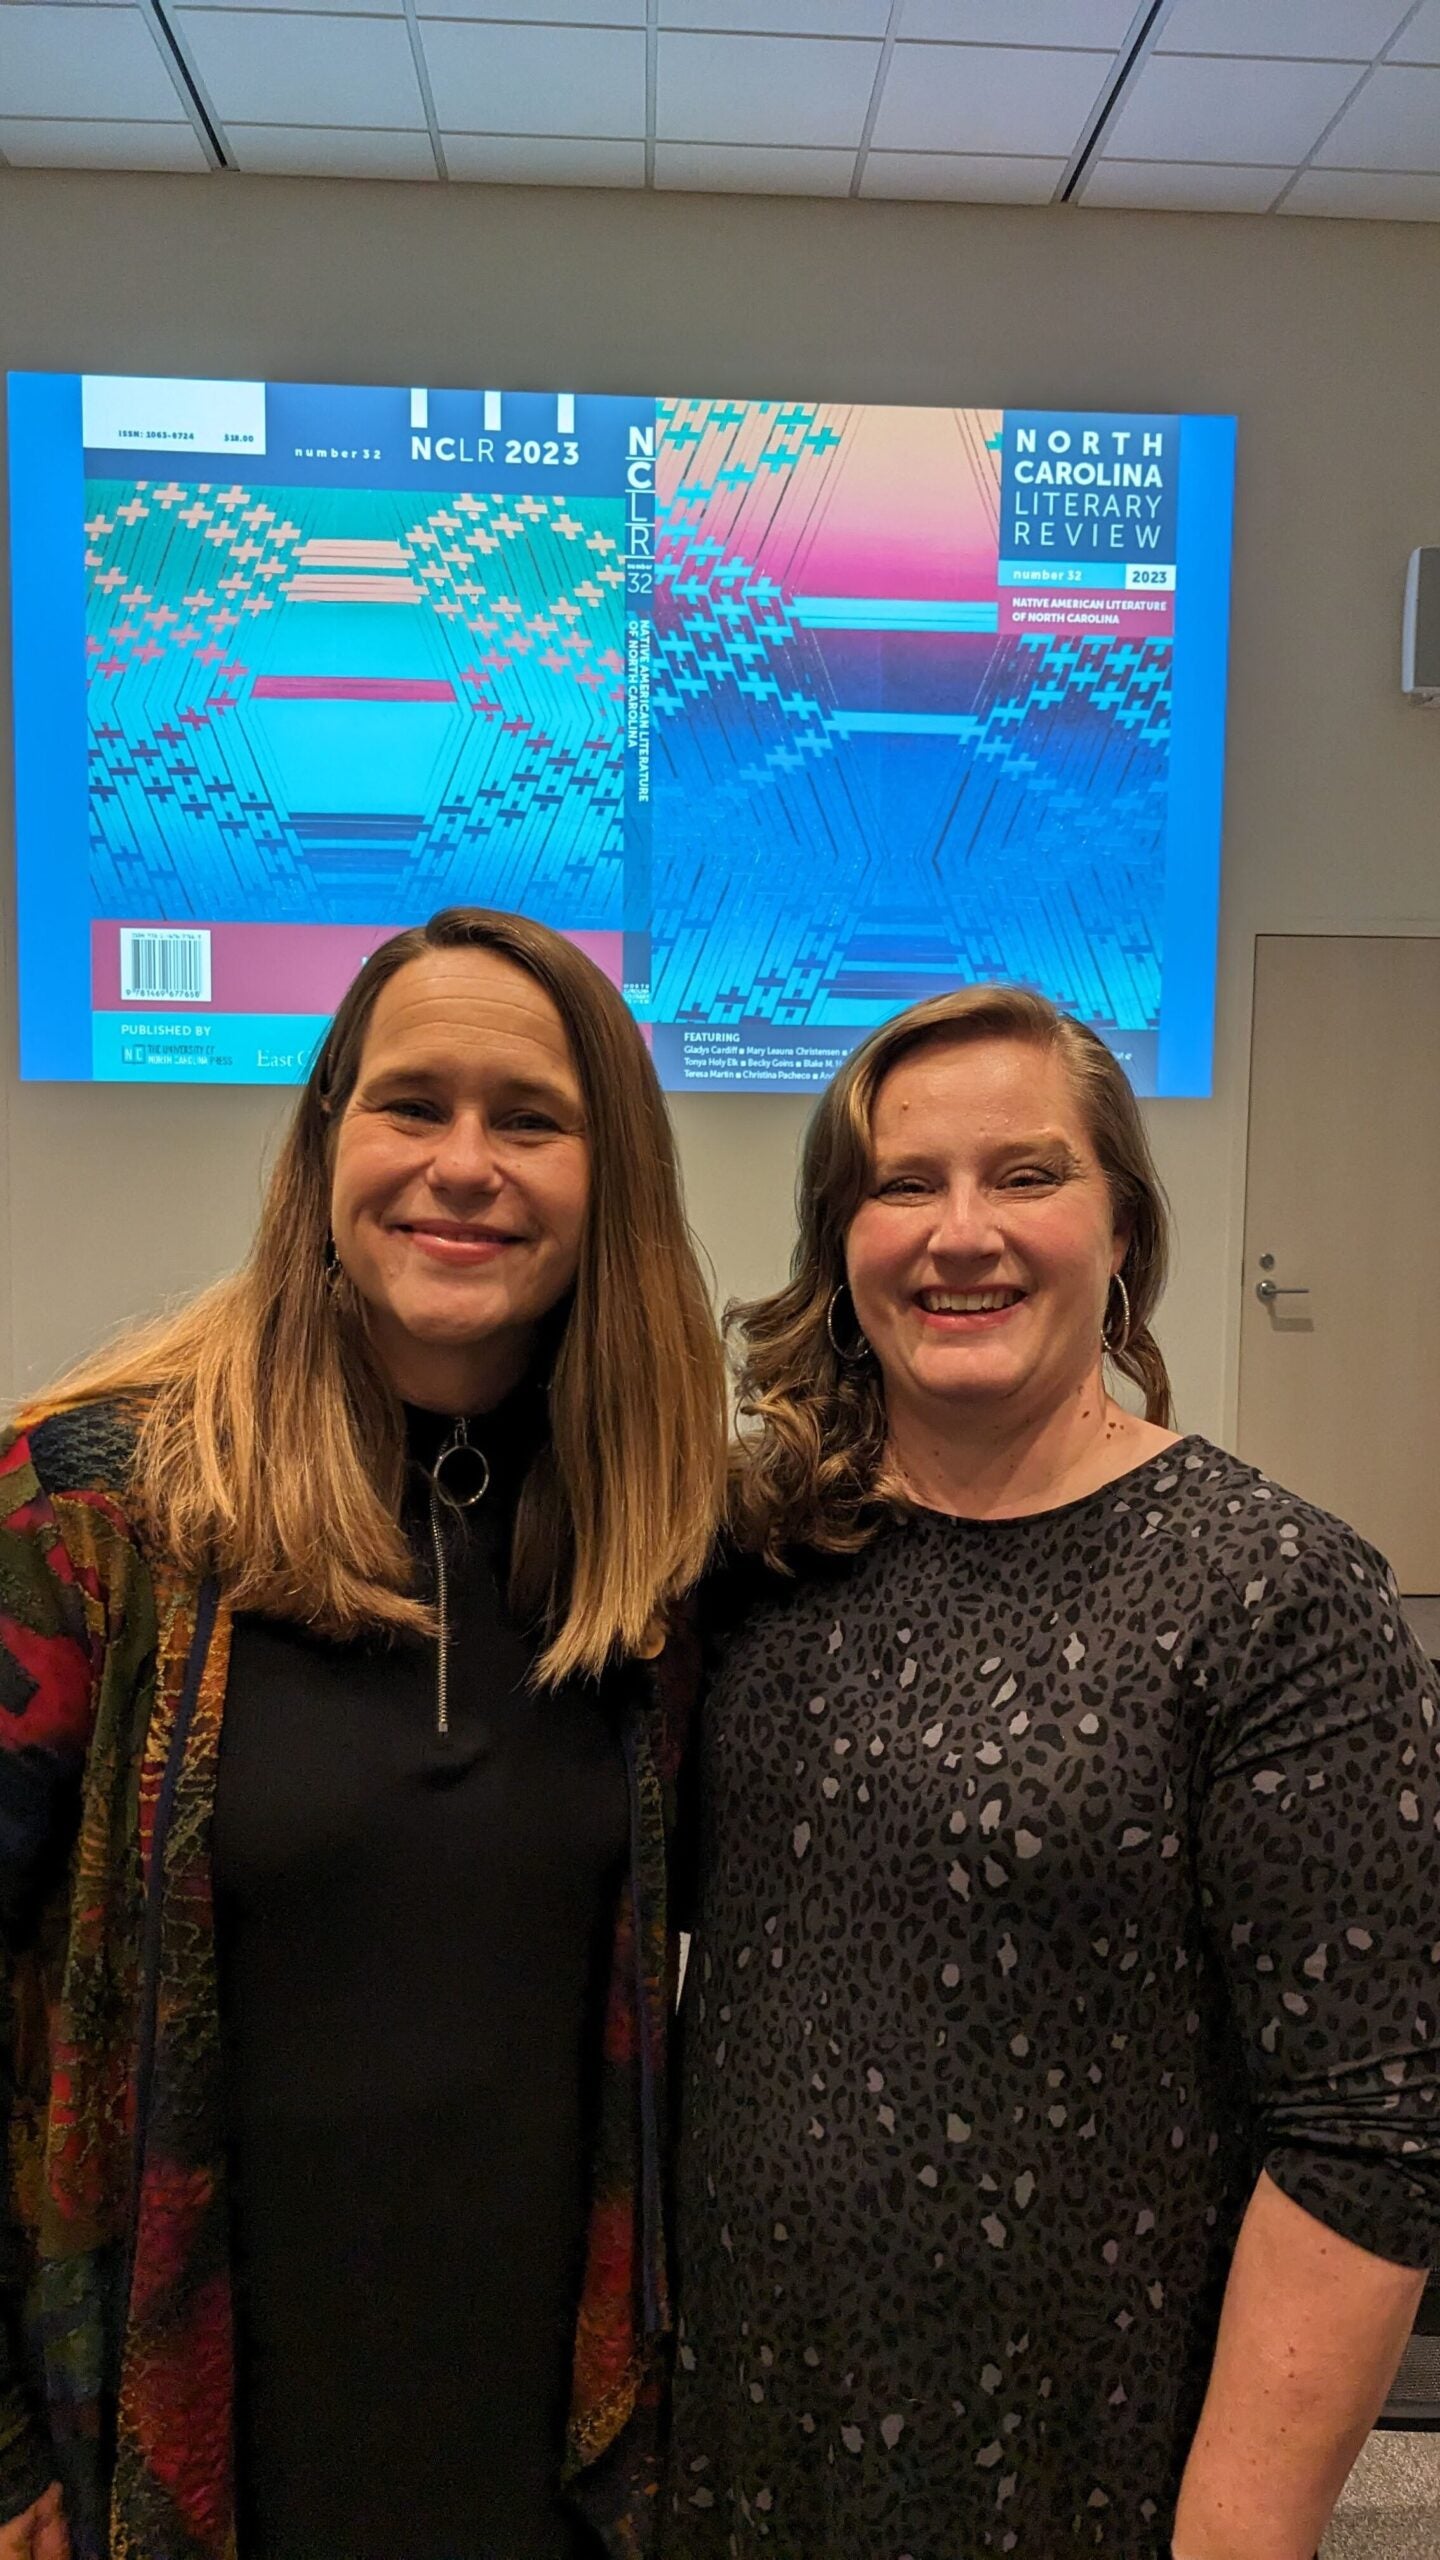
(171, 968)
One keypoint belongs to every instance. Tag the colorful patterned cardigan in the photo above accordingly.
(116, 2370)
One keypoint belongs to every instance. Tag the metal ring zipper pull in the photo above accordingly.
(463, 1459)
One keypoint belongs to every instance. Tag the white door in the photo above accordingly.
(1340, 1366)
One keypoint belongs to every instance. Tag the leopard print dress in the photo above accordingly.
(1057, 1874)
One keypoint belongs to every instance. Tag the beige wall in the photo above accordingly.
(1325, 337)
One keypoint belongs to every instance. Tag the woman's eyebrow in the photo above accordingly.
(1048, 1148)
(524, 1082)
(399, 1073)
(1045, 1144)
(522, 1085)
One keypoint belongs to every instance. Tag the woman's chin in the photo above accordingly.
(966, 1375)
(446, 1322)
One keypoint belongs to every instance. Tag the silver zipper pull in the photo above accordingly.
(472, 1465)
(458, 1448)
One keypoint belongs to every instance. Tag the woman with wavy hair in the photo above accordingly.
(1060, 2096)
(335, 1777)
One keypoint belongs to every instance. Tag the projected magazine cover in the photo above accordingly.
(789, 713)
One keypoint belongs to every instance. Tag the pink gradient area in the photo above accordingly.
(277, 968)
(913, 510)
(906, 504)
(1044, 609)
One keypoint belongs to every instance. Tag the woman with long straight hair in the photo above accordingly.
(336, 1770)
(1060, 2107)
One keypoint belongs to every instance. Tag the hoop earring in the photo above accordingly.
(860, 1347)
(1116, 1348)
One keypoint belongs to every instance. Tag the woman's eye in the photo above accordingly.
(530, 1123)
(408, 1107)
(901, 1186)
(1032, 1177)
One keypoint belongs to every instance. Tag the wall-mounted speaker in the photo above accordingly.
(1420, 632)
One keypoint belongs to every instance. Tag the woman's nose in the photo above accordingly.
(965, 1222)
(466, 1157)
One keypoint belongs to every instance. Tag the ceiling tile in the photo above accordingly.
(42, 143)
(959, 177)
(1179, 108)
(779, 17)
(538, 13)
(1393, 124)
(535, 160)
(776, 89)
(329, 151)
(1421, 40)
(1170, 186)
(561, 80)
(987, 98)
(727, 168)
(1105, 23)
(1312, 30)
(83, 63)
(327, 8)
(262, 67)
(1373, 194)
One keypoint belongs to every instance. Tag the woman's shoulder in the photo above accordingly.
(1271, 1546)
(1251, 1505)
(74, 1561)
(76, 1449)
(739, 1584)
(1300, 1633)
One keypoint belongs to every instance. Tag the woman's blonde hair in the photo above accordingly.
(809, 1470)
(271, 1450)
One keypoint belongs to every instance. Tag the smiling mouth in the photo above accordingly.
(456, 1244)
(968, 1302)
(453, 1232)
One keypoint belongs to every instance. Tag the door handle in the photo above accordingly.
(1265, 1290)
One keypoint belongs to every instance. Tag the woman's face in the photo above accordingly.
(980, 1257)
(461, 1175)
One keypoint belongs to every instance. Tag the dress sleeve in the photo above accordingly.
(1319, 1868)
(49, 1669)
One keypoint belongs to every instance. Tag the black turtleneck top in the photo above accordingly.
(412, 1925)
